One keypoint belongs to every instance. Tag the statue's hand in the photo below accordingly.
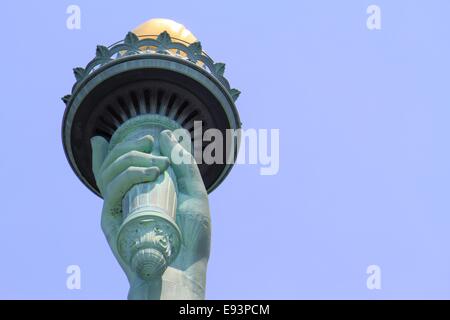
(116, 171)
(131, 163)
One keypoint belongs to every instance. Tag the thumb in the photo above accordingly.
(99, 147)
(183, 164)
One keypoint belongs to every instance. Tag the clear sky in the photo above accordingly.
(364, 119)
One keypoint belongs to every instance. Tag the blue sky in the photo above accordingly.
(364, 149)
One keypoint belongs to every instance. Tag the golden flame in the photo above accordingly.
(154, 27)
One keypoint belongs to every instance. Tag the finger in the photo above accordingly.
(144, 144)
(183, 163)
(99, 147)
(120, 185)
(133, 159)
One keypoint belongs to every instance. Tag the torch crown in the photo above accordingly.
(158, 69)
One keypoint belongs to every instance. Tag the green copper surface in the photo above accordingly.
(145, 159)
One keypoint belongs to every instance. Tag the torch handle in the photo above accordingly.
(157, 196)
(149, 239)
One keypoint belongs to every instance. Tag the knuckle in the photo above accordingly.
(129, 173)
(132, 154)
(151, 172)
(146, 141)
(165, 161)
(130, 157)
(147, 138)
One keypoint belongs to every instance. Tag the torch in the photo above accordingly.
(157, 78)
